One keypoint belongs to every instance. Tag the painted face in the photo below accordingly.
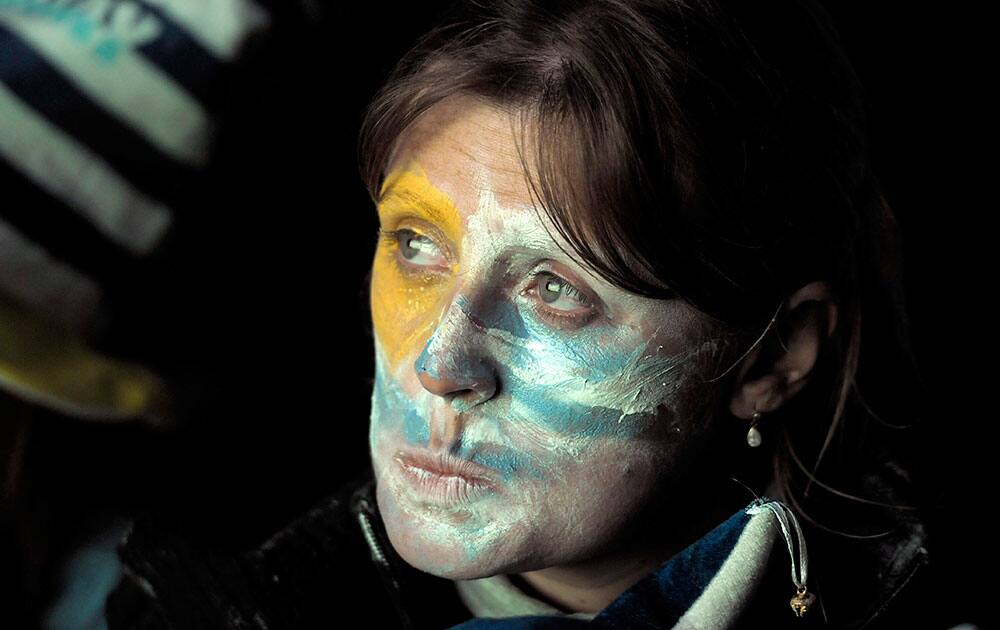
(556, 394)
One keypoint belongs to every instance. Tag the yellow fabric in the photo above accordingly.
(45, 365)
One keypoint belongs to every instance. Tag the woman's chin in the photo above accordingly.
(444, 543)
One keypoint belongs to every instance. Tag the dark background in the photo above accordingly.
(295, 334)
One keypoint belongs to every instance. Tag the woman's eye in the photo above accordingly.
(562, 301)
(416, 249)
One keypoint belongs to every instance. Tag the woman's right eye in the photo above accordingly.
(416, 249)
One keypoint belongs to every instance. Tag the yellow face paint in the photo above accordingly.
(403, 301)
(408, 192)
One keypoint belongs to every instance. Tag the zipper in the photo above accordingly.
(364, 511)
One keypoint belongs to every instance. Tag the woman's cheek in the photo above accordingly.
(403, 307)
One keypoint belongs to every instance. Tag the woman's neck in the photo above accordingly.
(591, 585)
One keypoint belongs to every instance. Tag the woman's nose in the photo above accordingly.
(452, 364)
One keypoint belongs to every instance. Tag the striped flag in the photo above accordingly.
(107, 121)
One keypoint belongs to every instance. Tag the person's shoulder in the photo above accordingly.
(175, 577)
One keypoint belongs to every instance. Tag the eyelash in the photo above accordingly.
(569, 290)
(392, 238)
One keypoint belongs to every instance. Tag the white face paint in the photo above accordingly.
(496, 347)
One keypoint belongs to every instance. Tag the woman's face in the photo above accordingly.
(561, 394)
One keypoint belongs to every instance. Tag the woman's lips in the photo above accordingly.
(446, 464)
(446, 479)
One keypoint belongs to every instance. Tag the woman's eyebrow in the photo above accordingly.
(412, 193)
(397, 199)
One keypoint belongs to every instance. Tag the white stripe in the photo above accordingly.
(129, 86)
(71, 172)
(734, 585)
(45, 285)
(220, 25)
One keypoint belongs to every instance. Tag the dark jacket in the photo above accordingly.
(337, 556)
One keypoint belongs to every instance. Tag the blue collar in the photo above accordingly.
(741, 574)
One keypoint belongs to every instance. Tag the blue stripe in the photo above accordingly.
(185, 60)
(43, 88)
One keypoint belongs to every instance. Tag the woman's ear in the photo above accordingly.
(782, 368)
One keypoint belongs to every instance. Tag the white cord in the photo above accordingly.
(784, 514)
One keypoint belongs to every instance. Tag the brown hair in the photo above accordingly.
(715, 151)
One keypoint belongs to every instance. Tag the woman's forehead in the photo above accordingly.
(464, 145)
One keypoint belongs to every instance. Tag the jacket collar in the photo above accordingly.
(731, 577)
(870, 575)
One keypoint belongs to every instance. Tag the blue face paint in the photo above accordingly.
(508, 461)
(548, 374)
(545, 378)
(392, 410)
(415, 429)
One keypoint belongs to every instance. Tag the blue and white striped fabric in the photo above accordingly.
(107, 120)
(708, 585)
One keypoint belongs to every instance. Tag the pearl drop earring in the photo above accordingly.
(754, 438)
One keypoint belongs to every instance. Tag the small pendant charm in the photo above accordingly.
(802, 602)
